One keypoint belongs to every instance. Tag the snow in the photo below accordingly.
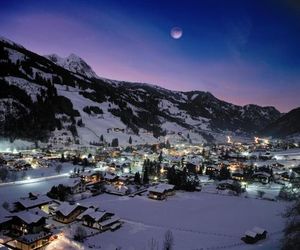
(74, 64)
(197, 220)
(15, 56)
(30, 88)
(6, 40)
(95, 126)
(28, 217)
(6, 106)
(194, 96)
(7, 146)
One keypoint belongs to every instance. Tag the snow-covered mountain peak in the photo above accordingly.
(74, 64)
(6, 40)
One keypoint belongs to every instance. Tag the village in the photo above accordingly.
(75, 197)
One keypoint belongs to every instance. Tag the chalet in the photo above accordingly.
(161, 191)
(77, 186)
(33, 201)
(66, 213)
(91, 177)
(26, 222)
(32, 241)
(110, 177)
(262, 177)
(113, 223)
(191, 167)
(254, 235)
(101, 220)
(250, 237)
(229, 185)
(261, 233)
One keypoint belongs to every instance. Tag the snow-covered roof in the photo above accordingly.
(72, 182)
(109, 221)
(65, 209)
(28, 217)
(231, 182)
(86, 212)
(96, 215)
(161, 188)
(263, 174)
(258, 230)
(251, 234)
(29, 238)
(28, 203)
(38, 211)
(110, 176)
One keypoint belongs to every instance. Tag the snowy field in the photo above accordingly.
(197, 221)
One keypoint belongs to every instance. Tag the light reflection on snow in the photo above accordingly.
(64, 243)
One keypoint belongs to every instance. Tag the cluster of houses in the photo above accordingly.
(36, 220)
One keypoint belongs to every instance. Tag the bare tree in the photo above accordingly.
(24, 174)
(168, 241)
(260, 193)
(3, 174)
(80, 234)
(58, 168)
(153, 244)
(5, 205)
(13, 176)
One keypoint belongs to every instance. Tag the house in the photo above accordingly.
(92, 177)
(250, 237)
(113, 223)
(110, 177)
(33, 201)
(161, 191)
(262, 177)
(101, 220)
(67, 213)
(254, 235)
(76, 186)
(261, 233)
(230, 184)
(26, 223)
(32, 241)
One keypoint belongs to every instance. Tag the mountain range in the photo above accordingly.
(62, 100)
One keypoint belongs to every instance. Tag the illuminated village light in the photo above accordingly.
(229, 139)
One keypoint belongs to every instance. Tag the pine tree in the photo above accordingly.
(146, 176)
(137, 178)
(115, 142)
(160, 157)
(224, 173)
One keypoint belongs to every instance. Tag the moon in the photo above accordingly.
(176, 32)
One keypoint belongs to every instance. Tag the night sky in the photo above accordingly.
(241, 51)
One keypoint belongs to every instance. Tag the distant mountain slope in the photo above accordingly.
(286, 125)
(73, 63)
(51, 98)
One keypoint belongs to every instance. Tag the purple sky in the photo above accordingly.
(240, 53)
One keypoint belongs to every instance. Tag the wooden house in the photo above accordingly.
(250, 237)
(101, 220)
(161, 191)
(66, 213)
(33, 201)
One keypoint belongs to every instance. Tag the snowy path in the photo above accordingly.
(34, 180)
